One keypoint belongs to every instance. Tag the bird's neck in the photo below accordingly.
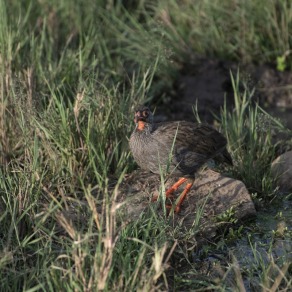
(142, 126)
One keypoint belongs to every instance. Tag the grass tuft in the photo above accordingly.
(249, 131)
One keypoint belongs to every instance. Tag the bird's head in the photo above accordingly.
(143, 116)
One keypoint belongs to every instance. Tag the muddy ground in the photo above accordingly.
(208, 82)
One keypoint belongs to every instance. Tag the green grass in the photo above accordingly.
(70, 74)
(249, 131)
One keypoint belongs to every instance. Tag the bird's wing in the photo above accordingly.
(197, 138)
(190, 145)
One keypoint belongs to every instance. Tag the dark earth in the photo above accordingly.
(208, 82)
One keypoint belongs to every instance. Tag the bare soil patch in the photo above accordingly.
(208, 83)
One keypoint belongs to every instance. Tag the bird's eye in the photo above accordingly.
(145, 113)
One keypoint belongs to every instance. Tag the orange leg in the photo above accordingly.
(172, 189)
(183, 196)
(175, 186)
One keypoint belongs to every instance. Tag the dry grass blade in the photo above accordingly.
(67, 225)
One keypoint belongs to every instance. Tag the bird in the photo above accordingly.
(179, 148)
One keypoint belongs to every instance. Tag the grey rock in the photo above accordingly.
(212, 194)
(282, 171)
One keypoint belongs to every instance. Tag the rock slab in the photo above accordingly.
(212, 192)
(282, 171)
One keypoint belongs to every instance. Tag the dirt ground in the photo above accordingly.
(208, 82)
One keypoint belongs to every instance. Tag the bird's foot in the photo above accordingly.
(168, 196)
(176, 209)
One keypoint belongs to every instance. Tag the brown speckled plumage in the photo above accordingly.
(180, 148)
